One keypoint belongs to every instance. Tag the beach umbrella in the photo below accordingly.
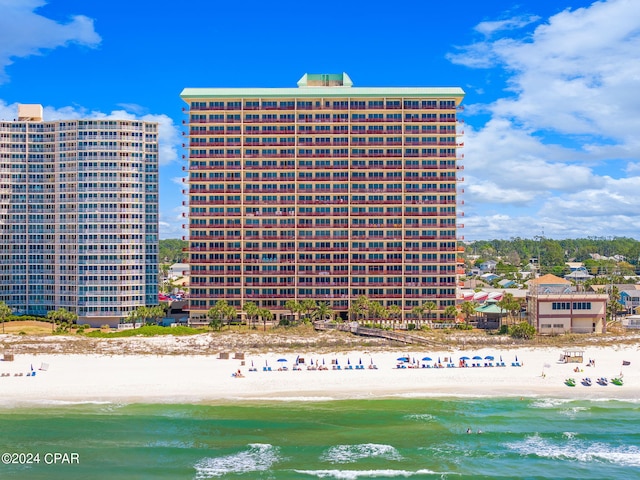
(360, 361)
(427, 359)
(464, 358)
(266, 363)
(439, 360)
(500, 357)
(252, 363)
(282, 359)
(323, 361)
(403, 359)
(489, 357)
(477, 357)
(516, 358)
(348, 361)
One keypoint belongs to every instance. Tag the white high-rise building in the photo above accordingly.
(78, 216)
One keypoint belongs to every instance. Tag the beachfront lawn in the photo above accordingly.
(147, 331)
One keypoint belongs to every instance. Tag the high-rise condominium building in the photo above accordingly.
(325, 192)
(78, 215)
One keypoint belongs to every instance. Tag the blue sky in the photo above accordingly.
(552, 111)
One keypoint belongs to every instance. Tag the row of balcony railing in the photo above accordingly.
(336, 131)
(318, 296)
(322, 106)
(314, 191)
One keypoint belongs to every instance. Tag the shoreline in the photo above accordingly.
(206, 379)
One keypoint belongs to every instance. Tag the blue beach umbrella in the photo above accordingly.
(348, 361)
(282, 359)
(516, 358)
(427, 359)
(477, 357)
(403, 359)
(488, 357)
(464, 358)
(360, 361)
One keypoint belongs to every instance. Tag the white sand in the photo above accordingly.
(194, 379)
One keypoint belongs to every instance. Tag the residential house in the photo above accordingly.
(556, 306)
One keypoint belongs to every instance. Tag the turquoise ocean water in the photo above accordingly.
(396, 438)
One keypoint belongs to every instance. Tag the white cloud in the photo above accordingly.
(24, 32)
(490, 27)
(563, 144)
(170, 225)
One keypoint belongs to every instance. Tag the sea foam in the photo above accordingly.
(257, 458)
(356, 474)
(353, 453)
(578, 450)
(422, 417)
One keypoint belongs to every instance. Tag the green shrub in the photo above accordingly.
(411, 326)
(522, 330)
(504, 329)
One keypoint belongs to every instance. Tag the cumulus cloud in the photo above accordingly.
(563, 141)
(23, 32)
(490, 27)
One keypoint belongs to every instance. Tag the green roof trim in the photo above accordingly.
(324, 92)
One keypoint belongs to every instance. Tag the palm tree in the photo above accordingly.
(468, 309)
(221, 313)
(61, 316)
(451, 311)
(510, 305)
(266, 316)
(251, 309)
(430, 307)
(395, 312)
(360, 307)
(134, 316)
(308, 305)
(5, 311)
(156, 313)
(377, 311)
(418, 311)
(294, 307)
(322, 311)
(164, 276)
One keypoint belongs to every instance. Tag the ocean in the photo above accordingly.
(398, 438)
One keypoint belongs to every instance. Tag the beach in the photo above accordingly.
(183, 378)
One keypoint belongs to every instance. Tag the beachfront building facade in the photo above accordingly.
(326, 192)
(556, 306)
(78, 216)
